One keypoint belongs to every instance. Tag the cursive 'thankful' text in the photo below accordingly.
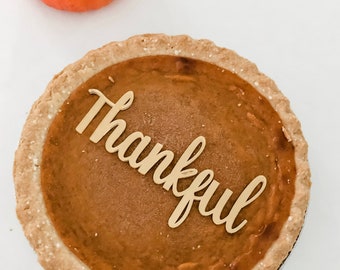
(203, 185)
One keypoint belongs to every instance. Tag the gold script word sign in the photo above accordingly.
(204, 180)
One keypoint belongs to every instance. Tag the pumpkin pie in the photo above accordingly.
(162, 152)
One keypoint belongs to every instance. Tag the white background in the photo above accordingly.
(296, 43)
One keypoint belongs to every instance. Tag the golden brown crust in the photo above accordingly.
(30, 206)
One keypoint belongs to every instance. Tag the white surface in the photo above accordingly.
(296, 43)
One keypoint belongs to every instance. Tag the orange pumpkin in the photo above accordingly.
(77, 5)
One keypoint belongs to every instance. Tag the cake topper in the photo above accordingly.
(203, 182)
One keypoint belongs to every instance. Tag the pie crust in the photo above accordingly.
(31, 207)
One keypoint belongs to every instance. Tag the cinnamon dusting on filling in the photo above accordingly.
(111, 216)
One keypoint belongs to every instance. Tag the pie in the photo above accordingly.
(162, 152)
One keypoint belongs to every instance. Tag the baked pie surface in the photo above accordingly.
(83, 206)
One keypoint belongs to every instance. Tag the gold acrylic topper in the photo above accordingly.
(203, 180)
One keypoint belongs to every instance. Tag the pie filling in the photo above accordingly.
(116, 211)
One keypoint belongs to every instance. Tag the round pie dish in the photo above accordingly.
(162, 152)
